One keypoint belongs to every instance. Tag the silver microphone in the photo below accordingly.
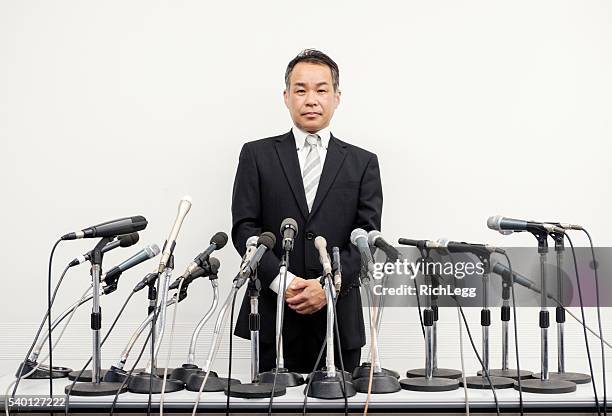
(321, 246)
(183, 209)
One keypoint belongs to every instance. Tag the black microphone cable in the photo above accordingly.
(49, 318)
(515, 325)
(231, 344)
(601, 338)
(586, 339)
(125, 303)
(152, 333)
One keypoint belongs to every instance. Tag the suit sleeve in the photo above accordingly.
(369, 213)
(246, 213)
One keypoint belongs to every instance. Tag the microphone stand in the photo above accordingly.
(255, 389)
(428, 382)
(283, 376)
(328, 383)
(561, 374)
(481, 381)
(382, 381)
(505, 371)
(186, 370)
(544, 384)
(96, 387)
(151, 379)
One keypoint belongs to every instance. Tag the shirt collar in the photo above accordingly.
(300, 137)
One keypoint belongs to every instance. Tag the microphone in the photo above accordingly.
(509, 225)
(183, 209)
(266, 241)
(462, 247)
(110, 278)
(504, 271)
(209, 268)
(217, 242)
(418, 243)
(126, 240)
(337, 267)
(288, 230)
(321, 246)
(375, 239)
(112, 228)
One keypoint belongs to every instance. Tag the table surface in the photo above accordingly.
(582, 398)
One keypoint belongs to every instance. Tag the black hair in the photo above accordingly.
(316, 57)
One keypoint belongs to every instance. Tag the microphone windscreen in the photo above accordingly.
(252, 241)
(220, 239)
(320, 243)
(289, 222)
(372, 236)
(267, 239)
(493, 222)
(128, 240)
(358, 233)
(214, 265)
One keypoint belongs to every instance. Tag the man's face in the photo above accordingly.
(311, 98)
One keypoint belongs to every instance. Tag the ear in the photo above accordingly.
(337, 98)
(286, 97)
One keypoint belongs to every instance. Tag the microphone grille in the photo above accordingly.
(152, 250)
(358, 233)
(220, 239)
(442, 242)
(373, 236)
(128, 240)
(493, 222)
(252, 241)
(289, 222)
(267, 239)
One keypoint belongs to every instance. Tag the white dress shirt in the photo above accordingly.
(302, 152)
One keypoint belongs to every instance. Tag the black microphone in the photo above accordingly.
(375, 239)
(288, 230)
(111, 277)
(462, 247)
(110, 228)
(127, 240)
(209, 268)
(418, 243)
(337, 268)
(266, 241)
(504, 272)
(509, 225)
(217, 242)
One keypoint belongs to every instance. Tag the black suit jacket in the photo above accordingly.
(268, 188)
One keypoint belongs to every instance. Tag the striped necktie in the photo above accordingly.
(312, 169)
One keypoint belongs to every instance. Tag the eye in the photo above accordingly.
(300, 91)
(322, 91)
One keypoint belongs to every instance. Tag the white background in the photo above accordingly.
(475, 108)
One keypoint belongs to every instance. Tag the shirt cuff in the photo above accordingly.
(276, 282)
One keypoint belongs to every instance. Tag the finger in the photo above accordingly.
(297, 299)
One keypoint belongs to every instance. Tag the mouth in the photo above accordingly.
(311, 114)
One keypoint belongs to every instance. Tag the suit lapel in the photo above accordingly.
(285, 147)
(336, 152)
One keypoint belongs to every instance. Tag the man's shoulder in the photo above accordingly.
(355, 150)
(265, 142)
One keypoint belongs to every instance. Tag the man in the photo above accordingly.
(330, 188)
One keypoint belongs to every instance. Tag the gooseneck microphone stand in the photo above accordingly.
(428, 382)
(505, 371)
(96, 387)
(561, 374)
(186, 370)
(328, 382)
(280, 375)
(544, 384)
(481, 381)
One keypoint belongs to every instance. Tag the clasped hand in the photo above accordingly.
(305, 296)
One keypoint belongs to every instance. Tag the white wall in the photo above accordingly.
(120, 108)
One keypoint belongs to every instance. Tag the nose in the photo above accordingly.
(311, 98)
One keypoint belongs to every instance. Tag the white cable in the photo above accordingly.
(465, 391)
(174, 313)
(44, 359)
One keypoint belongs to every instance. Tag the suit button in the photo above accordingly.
(310, 235)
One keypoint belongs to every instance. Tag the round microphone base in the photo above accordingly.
(145, 383)
(158, 371)
(42, 371)
(429, 384)
(437, 373)
(577, 378)
(322, 374)
(546, 386)
(255, 391)
(185, 371)
(284, 377)
(331, 388)
(508, 373)
(115, 375)
(95, 389)
(482, 383)
(381, 384)
(85, 376)
(213, 383)
(364, 371)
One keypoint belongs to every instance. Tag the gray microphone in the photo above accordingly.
(145, 254)
(359, 238)
(507, 226)
(503, 271)
(288, 231)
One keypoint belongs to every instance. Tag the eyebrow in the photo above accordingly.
(303, 84)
